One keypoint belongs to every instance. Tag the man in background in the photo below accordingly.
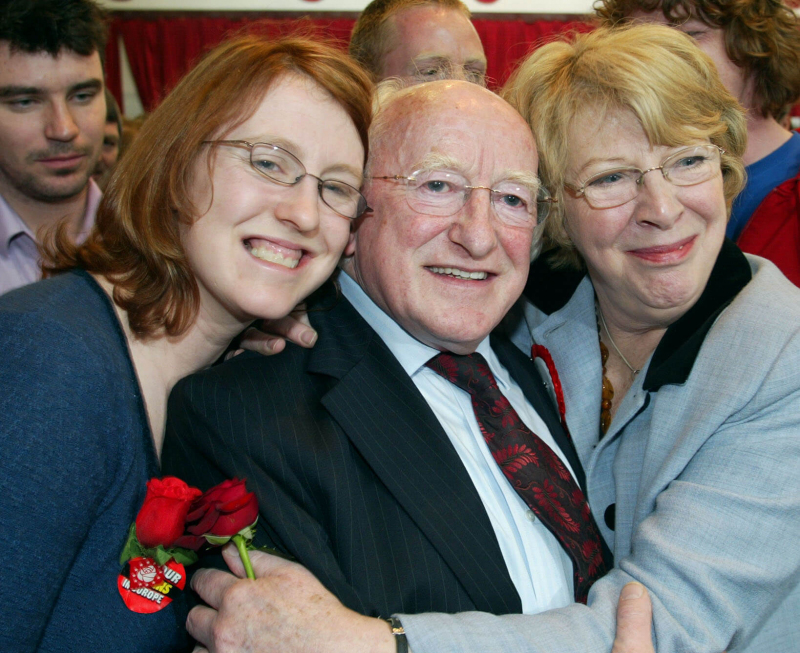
(52, 113)
(756, 48)
(112, 141)
(418, 41)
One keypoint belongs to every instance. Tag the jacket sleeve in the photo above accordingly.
(220, 427)
(58, 453)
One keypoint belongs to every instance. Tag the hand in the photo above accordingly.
(271, 335)
(634, 618)
(284, 609)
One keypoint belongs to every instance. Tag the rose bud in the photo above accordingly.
(222, 511)
(162, 517)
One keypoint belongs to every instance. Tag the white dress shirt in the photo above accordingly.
(538, 565)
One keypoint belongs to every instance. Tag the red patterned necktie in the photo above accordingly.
(534, 470)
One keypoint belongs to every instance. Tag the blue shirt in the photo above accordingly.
(762, 176)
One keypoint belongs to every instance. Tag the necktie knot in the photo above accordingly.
(469, 372)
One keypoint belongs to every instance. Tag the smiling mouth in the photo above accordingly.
(272, 253)
(459, 274)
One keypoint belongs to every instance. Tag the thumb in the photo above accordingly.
(231, 557)
(634, 617)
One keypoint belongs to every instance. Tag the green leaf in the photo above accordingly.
(184, 556)
(132, 548)
(161, 555)
(217, 540)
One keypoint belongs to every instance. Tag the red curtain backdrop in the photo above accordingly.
(162, 50)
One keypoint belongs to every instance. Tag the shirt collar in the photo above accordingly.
(11, 225)
(410, 352)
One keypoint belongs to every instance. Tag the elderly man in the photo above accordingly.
(382, 457)
(418, 41)
(756, 47)
(52, 113)
(370, 466)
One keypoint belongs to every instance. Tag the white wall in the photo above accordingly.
(497, 6)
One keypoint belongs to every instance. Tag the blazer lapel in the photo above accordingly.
(524, 372)
(386, 418)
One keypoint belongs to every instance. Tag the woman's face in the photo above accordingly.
(650, 258)
(260, 248)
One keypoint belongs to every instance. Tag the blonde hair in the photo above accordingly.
(655, 72)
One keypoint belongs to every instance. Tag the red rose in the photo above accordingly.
(222, 511)
(162, 517)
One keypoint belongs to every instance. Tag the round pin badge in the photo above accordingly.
(148, 587)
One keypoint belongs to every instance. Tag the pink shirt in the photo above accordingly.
(19, 258)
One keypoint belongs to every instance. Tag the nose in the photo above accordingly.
(60, 123)
(658, 204)
(474, 225)
(299, 205)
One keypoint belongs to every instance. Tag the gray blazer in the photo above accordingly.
(702, 466)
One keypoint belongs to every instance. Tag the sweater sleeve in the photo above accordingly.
(56, 463)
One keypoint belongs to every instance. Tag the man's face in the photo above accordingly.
(431, 43)
(447, 281)
(52, 114)
(110, 150)
(710, 40)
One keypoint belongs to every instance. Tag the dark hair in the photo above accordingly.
(53, 25)
(761, 36)
(136, 242)
(370, 38)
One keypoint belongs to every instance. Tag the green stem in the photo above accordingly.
(241, 546)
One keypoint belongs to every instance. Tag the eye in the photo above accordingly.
(84, 97)
(339, 189)
(605, 179)
(20, 103)
(690, 161)
(437, 186)
(268, 166)
(513, 201)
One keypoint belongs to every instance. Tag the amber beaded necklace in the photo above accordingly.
(608, 389)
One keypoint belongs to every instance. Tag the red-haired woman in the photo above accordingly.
(234, 203)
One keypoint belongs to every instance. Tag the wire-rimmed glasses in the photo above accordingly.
(616, 186)
(285, 169)
(444, 192)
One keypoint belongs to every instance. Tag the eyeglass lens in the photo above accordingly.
(282, 167)
(443, 193)
(689, 166)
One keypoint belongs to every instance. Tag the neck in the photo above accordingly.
(37, 214)
(161, 361)
(764, 136)
(630, 345)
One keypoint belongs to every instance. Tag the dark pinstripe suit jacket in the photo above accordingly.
(354, 475)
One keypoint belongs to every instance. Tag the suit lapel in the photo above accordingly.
(524, 372)
(386, 418)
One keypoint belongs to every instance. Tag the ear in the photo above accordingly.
(350, 248)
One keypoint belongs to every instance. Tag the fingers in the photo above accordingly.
(294, 327)
(211, 585)
(199, 624)
(634, 619)
(260, 342)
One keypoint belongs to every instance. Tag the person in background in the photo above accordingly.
(112, 137)
(755, 45)
(52, 113)
(418, 41)
(221, 212)
(675, 359)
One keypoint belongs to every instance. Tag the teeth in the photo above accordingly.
(266, 254)
(459, 274)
